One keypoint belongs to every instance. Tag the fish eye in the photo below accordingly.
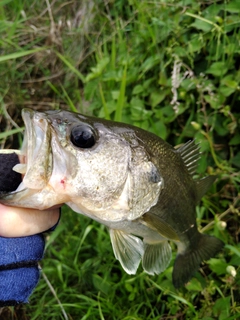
(82, 136)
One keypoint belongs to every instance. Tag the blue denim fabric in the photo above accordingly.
(19, 272)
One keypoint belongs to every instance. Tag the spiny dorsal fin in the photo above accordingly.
(128, 249)
(190, 155)
(203, 185)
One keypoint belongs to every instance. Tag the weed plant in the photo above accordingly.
(168, 66)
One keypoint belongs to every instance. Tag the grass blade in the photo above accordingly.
(121, 98)
(20, 54)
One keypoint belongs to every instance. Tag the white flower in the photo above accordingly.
(231, 270)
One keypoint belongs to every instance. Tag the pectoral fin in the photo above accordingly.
(156, 257)
(128, 250)
(155, 222)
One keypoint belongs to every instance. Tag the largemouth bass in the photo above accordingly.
(128, 179)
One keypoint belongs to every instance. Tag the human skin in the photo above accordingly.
(21, 222)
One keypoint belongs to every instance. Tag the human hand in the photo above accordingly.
(21, 240)
(20, 222)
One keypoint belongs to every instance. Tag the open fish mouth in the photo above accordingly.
(35, 155)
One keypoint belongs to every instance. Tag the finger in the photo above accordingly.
(21, 222)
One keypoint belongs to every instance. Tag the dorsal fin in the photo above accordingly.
(203, 185)
(190, 155)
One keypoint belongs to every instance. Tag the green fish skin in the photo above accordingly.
(128, 179)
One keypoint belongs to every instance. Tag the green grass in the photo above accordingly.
(170, 67)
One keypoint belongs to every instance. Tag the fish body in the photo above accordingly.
(126, 178)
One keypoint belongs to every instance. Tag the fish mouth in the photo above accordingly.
(35, 155)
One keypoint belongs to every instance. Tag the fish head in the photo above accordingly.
(96, 167)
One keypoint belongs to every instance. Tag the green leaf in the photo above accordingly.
(215, 100)
(226, 91)
(180, 52)
(131, 297)
(195, 45)
(235, 140)
(228, 81)
(202, 25)
(232, 6)
(194, 285)
(218, 266)
(231, 23)
(236, 160)
(212, 10)
(115, 94)
(98, 69)
(188, 84)
(163, 79)
(221, 308)
(137, 89)
(236, 249)
(156, 97)
(111, 75)
(168, 113)
(138, 111)
(109, 107)
(160, 129)
(149, 63)
(228, 85)
(217, 69)
(235, 260)
(90, 88)
(128, 287)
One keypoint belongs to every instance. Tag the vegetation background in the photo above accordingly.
(168, 66)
